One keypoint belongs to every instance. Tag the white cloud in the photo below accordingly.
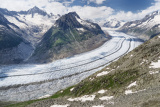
(97, 1)
(17, 5)
(56, 7)
(87, 12)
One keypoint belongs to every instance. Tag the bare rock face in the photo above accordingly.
(70, 35)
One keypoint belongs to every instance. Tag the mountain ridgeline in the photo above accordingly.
(70, 35)
(42, 37)
(145, 28)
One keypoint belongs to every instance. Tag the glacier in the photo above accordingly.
(31, 81)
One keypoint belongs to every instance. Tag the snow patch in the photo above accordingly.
(60, 105)
(85, 23)
(98, 106)
(107, 68)
(81, 29)
(91, 79)
(83, 98)
(159, 36)
(131, 92)
(152, 72)
(155, 64)
(46, 96)
(71, 89)
(106, 98)
(102, 91)
(102, 73)
(132, 84)
(128, 92)
(132, 25)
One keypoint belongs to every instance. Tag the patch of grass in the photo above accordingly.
(58, 42)
(116, 80)
(65, 92)
(109, 82)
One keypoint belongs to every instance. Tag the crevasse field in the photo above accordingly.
(27, 82)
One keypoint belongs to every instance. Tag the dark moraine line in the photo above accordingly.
(68, 67)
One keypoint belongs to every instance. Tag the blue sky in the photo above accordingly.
(129, 5)
(123, 5)
(125, 10)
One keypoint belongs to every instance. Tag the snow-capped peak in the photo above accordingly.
(113, 23)
(33, 11)
(36, 10)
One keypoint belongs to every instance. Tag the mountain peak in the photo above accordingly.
(73, 14)
(35, 9)
(68, 21)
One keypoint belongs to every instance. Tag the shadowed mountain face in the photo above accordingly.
(11, 44)
(70, 35)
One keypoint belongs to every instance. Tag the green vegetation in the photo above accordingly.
(109, 82)
(63, 93)
(55, 38)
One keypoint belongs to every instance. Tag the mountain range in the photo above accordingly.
(113, 23)
(34, 36)
(70, 35)
(145, 28)
(132, 80)
(47, 36)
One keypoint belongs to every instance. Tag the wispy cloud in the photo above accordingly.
(89, 12)
(97, 1)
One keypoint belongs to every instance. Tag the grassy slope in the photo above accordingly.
(56, 38)
(124, 71)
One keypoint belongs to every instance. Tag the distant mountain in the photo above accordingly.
(145, 28)
(13, 48)
(113, 23)
(70, 35)
(33, 11)
(21, 31)
(31, 24)
(6, 12)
